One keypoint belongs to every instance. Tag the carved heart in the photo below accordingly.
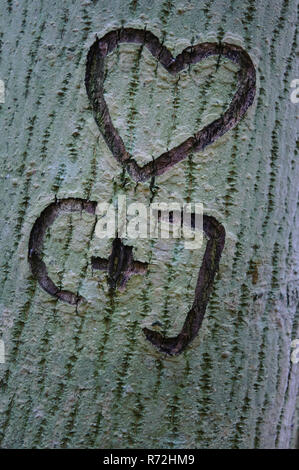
(94, 81)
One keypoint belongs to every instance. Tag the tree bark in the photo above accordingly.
(82, 373)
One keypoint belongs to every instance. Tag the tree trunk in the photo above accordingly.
(79, 370)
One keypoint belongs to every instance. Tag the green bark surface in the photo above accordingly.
(86, 376)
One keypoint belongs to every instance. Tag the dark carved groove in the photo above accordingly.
(209, 267)
(94, 81)
(121, 266)
(36, 244)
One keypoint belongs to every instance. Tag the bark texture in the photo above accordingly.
(84, 374)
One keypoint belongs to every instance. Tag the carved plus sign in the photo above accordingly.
(120, 265)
